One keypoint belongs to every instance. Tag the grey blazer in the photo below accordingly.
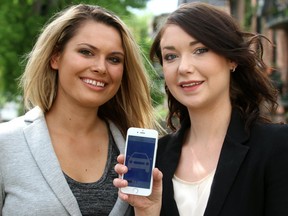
(31, 179)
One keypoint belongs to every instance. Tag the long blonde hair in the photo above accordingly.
(131, 106)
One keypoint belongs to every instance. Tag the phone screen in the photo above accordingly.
(139, 160)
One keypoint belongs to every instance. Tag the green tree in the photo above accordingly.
(141, 26)
(18, 27)
(20, 23)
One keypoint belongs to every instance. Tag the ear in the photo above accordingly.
(233, 65)
(54, 62)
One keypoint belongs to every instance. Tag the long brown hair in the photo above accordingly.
(250, 88)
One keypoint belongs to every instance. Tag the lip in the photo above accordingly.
(94, 82)
(190, 84)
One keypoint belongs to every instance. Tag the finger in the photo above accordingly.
(119, 183)
(131, 199)
(157, 180)
(120, 169)
(120, 159)
(123, 196)
(157, 174)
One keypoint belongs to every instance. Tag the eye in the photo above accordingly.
(85, 52)
(201, 50)
(115, 60)
(170, 57)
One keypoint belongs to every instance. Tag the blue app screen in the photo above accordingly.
(139, 160)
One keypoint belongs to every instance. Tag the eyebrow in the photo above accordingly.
(95, 48)
(192, 43)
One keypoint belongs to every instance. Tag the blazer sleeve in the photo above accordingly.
(276, 202)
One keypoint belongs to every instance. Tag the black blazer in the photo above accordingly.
(251, 177)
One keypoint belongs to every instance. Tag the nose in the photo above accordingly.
(99, 66)
(186, 64)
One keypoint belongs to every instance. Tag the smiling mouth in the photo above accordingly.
(191, 84)
(94, 82)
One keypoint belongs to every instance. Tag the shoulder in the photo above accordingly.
(174, 140)
(168, 137)
(170, 143)
(269, 149)
(270, 132)
(16, 125)
(269, 140)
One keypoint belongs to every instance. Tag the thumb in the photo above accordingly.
(157, 180)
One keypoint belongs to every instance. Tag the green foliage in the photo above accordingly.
(140, 28)
(18, 27)
(120, 7)
(21, 21)
(250, 11)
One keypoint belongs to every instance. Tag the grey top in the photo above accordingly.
(31, 179)
(99, 197)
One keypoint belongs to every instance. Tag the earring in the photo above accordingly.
(233, 69)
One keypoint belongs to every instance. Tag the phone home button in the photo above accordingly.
(135, 190)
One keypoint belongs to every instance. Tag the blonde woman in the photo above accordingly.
(84, 85)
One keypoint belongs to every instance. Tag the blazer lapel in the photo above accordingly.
(232, 155)
(40, 145)
(168, 165)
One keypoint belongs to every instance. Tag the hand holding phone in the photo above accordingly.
(140, 156)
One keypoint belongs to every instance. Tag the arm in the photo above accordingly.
(150, 205)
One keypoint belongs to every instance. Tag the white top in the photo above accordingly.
(192, 197)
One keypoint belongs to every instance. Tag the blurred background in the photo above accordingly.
(22, 20)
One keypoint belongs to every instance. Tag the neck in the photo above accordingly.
(209, 125)
(73, 120)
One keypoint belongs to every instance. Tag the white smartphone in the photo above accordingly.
(140, 155)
